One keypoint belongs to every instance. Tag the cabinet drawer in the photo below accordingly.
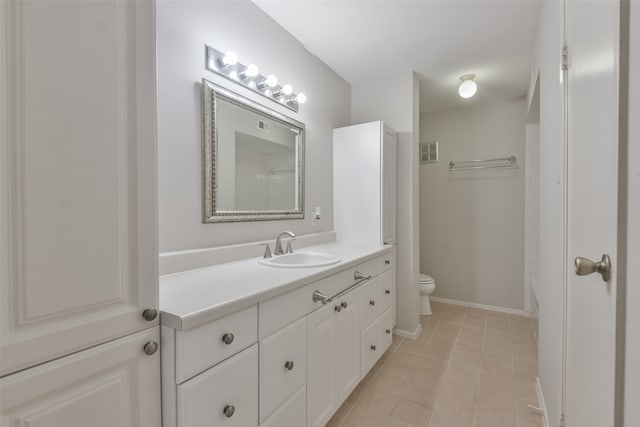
(202, 347)
(292, 414)
(386, 330)
(369, 302)
(283, 366)
(370, 350)
(284, 309)
(231, 386)
(387, 289)
(386, 261)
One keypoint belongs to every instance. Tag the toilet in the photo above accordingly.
(427, 285)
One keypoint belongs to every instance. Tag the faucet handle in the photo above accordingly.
(289, 248)
(267, 250)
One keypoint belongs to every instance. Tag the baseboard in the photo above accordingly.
(543, 406)
(411, 335)
(482, 306)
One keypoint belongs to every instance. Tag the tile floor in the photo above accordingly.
(468, 368)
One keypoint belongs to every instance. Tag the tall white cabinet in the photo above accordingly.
(364, 183)
(78, 245)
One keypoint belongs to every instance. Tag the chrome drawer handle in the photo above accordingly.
(338, 308)
(372, 303)
(386, 261)
(229, 410)
(373, 347)
(387, 291)
(227, 338)
(388, 331)
(150, 348)
(150, 314)
(288, 365)
(344, 304)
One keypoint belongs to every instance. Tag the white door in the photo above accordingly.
(348, 330)
(114, 384)
(78, 251)
(322, 388)
(592, 32)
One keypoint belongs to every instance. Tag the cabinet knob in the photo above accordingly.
(388, 331)
(387, 291)
(373, 347)
(150, 314)
(227, 338)
(372, 303)
(150, 348)
(386, 261)
(337, 308)
(288, 365)
(229, 410)
(344, 304)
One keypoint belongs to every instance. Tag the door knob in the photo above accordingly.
(584, 266)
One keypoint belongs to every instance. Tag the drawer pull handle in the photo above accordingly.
(337, 308)
(227, 338)
(150, 348)
(373, 347)
(289, 365)
(150, 314)
(386, 261)
(387, 291)
(344, 304)
(229, 410)
(388, 331)
(372, 303)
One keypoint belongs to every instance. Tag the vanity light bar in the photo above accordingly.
(227, 65)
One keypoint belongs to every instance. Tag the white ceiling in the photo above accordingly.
(365, 40)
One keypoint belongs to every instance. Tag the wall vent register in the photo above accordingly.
(429, 152)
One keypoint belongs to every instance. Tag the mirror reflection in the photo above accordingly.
(253, 160)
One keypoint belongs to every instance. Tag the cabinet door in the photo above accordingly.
(111, 385)
(389, 178)
(369, 302)
(322, 389)
(370, 345)
(225, 395)
(78, 245)
(348, 330)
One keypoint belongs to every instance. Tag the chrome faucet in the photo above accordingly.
(278, 250)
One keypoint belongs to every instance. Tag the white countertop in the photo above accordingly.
(194, 297)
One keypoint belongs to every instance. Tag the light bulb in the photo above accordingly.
(230, 58)
(301, 98)
(287, 89)
(271, 80)
(251, 71)
(468, 87)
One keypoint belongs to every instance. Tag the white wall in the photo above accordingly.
(184, 27)
(395, 102)
(472, 222)
(551, 244)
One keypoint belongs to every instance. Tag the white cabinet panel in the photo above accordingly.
(283, 366)
(202, 347)
(369, 297)
(293, 413)
(386, 290)
(225, 395)
(321, 366)
(386, 330)
(79, 241)
(370, 347)
(348, 335)
(114, 384)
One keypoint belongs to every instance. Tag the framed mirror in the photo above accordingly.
(253, 160)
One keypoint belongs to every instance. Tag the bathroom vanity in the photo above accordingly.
(245, 344)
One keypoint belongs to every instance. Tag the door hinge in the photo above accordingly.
(562, 421)
(564, 59)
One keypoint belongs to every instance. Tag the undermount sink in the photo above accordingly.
(300, 259)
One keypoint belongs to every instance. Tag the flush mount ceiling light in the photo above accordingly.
(468, 86)
(227, 65)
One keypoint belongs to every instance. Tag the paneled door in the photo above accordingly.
(78, 250)
(112, 385)
(592, 36)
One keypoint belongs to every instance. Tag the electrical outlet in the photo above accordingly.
(316, 214)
